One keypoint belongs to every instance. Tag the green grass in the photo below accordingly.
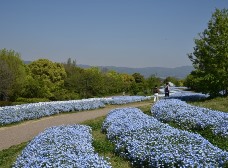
(220, 104)
(8, 156)
(103, 146)
(106, 148)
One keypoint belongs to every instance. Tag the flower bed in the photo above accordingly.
(124, 99)
(147, 142)
(13, 114)
(186, 95)
(62, 146)
(189, 116)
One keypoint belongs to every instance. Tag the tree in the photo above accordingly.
(72, 82)
(152, 81)
(50, 76)
(6, 78)
(127, 81)
(94, 81)
(70, 63)
(210, 56)
(12, 70)
(140, 84)
(113, 82)
(173, 80)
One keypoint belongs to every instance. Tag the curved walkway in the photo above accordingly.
(16, 134)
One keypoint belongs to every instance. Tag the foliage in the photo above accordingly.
(93, 82)
(50, 77)
(174, 80)
(140, 84)
(152, 81)
(12, 74)
(31, 100)
(33, 88)
(54, 81)
(5, 103)
(128, 81)
(6, 77)
(72, 82)
(210, 56)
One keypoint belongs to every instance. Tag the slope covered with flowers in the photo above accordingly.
(62, 146)
(191, 117)
(18, 113)
(147, 142)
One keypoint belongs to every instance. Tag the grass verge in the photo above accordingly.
(220, 104)
(8, 156)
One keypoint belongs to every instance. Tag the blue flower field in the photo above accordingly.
(189, 116)
(18, 113)
(146, 141)
(62, 146)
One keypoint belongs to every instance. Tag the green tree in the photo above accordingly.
(152, 81)
(72, 82)
(13, 66)
(91, 83)
(128, 81)
(140, 85)
(50, 75)
(210, 56)
(173, 80)
(113, 82)
(193, 83)
(6, 78)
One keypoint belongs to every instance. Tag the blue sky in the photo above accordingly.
(126, 33)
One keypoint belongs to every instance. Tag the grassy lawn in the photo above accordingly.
(220, 104)
(8, 156)
(106, 149)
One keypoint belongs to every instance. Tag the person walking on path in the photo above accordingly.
(167, 90)
(156, 91)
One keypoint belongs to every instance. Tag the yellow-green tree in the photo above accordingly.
(50, 76)
(128, 81)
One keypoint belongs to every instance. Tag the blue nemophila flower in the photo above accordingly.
(62, 146)
(124, 99)
(189, 116)
(187, 95)
(149, 143)
(13, 114)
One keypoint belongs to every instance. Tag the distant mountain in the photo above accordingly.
(178, 72)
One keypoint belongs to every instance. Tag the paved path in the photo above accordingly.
(16, 134)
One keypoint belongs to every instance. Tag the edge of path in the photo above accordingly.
(25, 131)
